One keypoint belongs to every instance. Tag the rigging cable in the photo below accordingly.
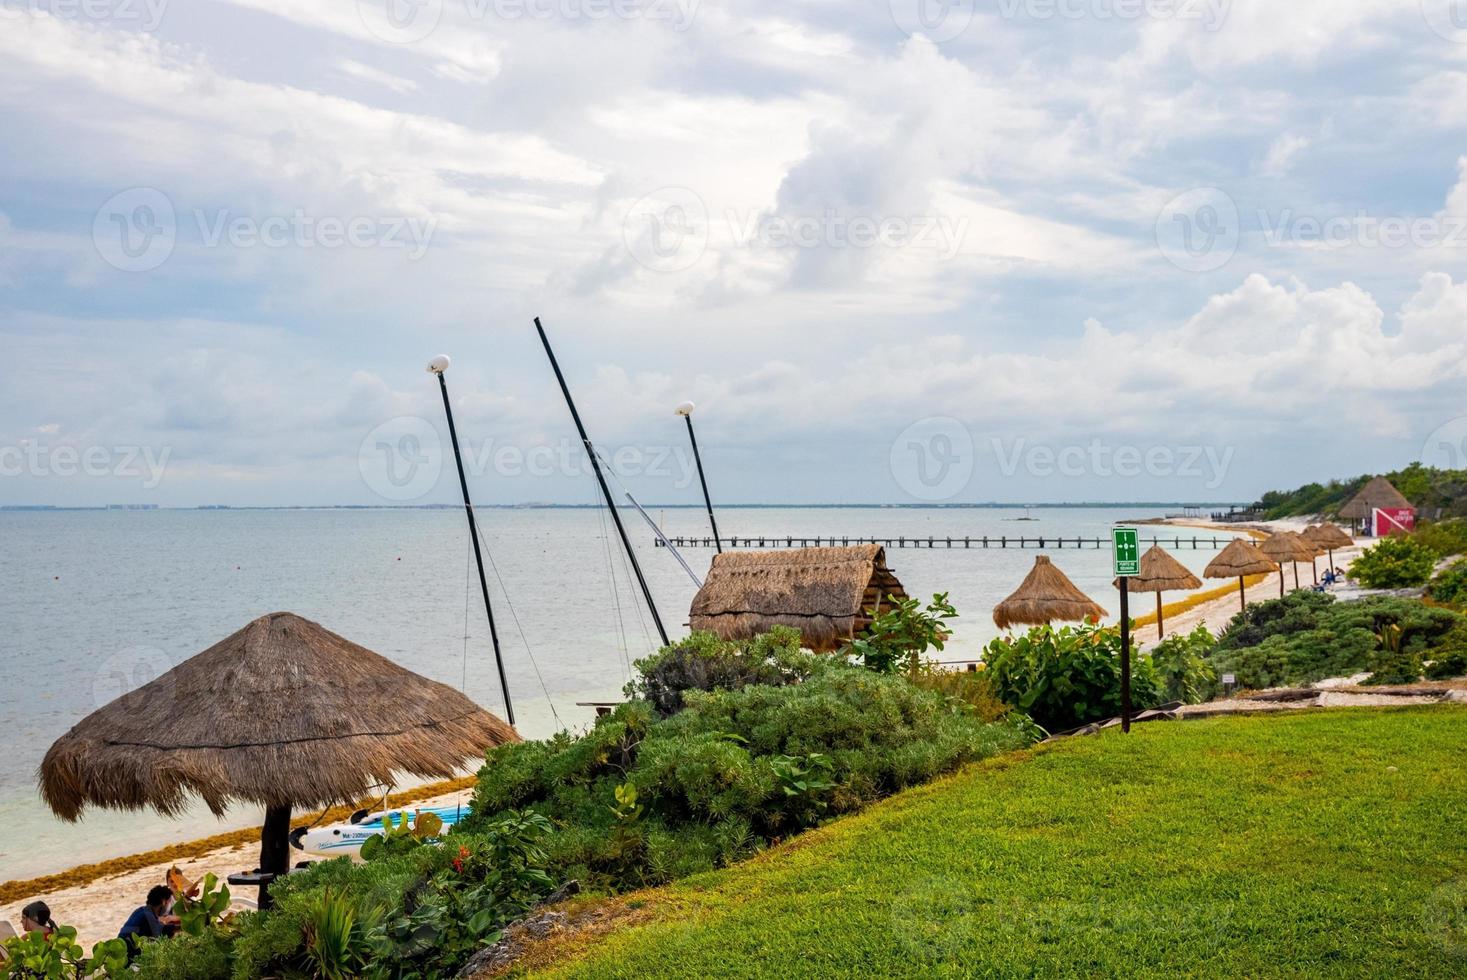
(524, 637)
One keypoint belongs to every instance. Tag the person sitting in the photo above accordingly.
(150, 921)
(36, 917)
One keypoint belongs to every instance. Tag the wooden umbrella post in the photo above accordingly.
(1242, 595)
(1159, 632)
(274, 850)
(1282, 577)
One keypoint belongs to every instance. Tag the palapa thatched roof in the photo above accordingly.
(1377, 493)
(1239, 558)
(1045, 596)
(1160, 572)
(1328, 536)
(1288, 546)
(282, 713)
(825, 593)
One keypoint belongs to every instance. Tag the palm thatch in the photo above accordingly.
(1329, 536)
(825, 593)
(1160, 572)
(282, 713)
(1239, 559)
(1045, 596)
(1287, 546)
(1379, 492)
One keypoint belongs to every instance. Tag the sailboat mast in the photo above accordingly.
(438, 366)
(601, 480)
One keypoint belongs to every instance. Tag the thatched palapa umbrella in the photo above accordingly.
(1045, 596)
(283, 713)
(1329, 537)
(1288, 546)
(1160, 572)
(1238, 560)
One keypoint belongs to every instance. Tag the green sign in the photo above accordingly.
(1127, 542)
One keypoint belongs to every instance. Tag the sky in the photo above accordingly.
(895, 251)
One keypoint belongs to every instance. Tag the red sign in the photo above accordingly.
(1394, 520)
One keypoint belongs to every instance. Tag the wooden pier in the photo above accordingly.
(986, 541)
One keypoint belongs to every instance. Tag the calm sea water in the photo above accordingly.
(96, 603)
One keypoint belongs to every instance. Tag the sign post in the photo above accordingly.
(1126, 545)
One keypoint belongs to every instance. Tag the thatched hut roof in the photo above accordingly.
(284, 712)
(1377, 493)
(1238, 559)
(825, 593)
(1160, 572)
(1045, 596)
(1328, 536)
(1288, 546)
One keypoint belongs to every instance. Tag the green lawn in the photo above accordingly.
(1319, 843)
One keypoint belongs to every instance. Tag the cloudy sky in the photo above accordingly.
(1017, 250)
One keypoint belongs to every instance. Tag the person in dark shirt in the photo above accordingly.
(150, 921)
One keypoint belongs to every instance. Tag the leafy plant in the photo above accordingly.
(197, 912)
(1066, 677)
(897, 638)
(1449, 655)
(336, 936)
(58, 956)
(1394, 664)
(1446, 538)
(1394, 563)
(402, 835)
(1182, 668)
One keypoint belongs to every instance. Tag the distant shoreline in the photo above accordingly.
(990, 505)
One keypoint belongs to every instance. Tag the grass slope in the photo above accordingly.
(1226, 847)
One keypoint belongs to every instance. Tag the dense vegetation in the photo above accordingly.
(644, 798)
(1394, 563)
(1308, 636)
(1430, 489)
(1313, 844)
(415, 910)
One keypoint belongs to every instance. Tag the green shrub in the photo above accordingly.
(973, 688)
(897, 638)
(642, 799)
(1064, 678)
(1450, 587)
(1394, 563)
(1307, 636)
(704, 662)
(208, 956)
(1182, 668)
(1446, 538)
(1449, 656)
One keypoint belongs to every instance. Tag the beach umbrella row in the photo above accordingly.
(1047, 595)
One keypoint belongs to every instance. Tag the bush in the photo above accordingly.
(704, 662)
(1450, 587)
(1182, 668)
(1307, 636)
(896, 639)
(1446, 538)
(1064, 678)
(1449, 656)
(1394, 563)
(642, 799)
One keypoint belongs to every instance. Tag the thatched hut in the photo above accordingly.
(1379, 492)
(825, 593)
(283, 713)
(1239, 559)
(1288, 546)
(1329, 537)
(1045, 596)
(1160, 572)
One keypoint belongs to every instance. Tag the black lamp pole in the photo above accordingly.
(605, 491)
(686, 411)
(439, 365)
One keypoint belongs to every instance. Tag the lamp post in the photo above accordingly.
(438, 366)
(686, 411)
